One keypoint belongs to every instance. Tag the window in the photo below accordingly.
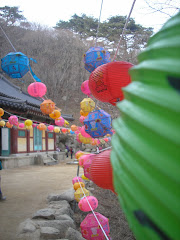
(50, 135)
(21, 133)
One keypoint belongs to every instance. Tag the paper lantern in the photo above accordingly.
(84, 206)
(59, 121)
(56, 129)
(84, 133)
(87, 163)
(41, 127)
(106, 139)
(2, 123)
(87, 105)
(145, 155)
(55, 114)
(13, 120)
(107, 81)
(29, 127)
(37, 89)
(8, 125)
(78, 185)
(98, 123)
(95, 57)
(85, 88)
(74, 127)
(76, 180)
(15, 64)
(84, 178)
(84, 140)
(71, 132)
(84, 114)
(28, 123)
(83, 158)
(50, 127)
(21, 125)
(47, 106)
(101, 170)
(90, 228)
(1, 112)
(81, 119)
(94, 142)
(64, 130)
(34, 125)
(79, 193)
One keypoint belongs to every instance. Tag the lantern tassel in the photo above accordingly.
(33, 74)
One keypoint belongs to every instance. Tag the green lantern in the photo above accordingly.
(146, 146)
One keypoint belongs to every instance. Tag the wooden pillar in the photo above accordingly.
(54, 141)
(28, 140)
(14, 136)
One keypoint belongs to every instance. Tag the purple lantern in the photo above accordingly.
(90, 228)
(95, 57)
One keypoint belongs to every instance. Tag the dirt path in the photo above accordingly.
(26, 189)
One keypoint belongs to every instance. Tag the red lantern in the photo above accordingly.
(106, 81)
(37, 89)
(101, 170)
(47, 106)
(64, 130)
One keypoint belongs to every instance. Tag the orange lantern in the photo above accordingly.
(41, 127)
(8, 125)
(78, 185)
(1, 112)
(64, 130)
(84, 114)
(47, 106)
(74, 128)
(94, 142)
(55, 114)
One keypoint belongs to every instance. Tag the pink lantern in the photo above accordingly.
(37, 89)
(34, 125)
(75, 179)
(90, 228)
(60, 121)
(50, 127)
(83, 158)
(81, 119)
(85, 88)
(84, 133)
(84, 206)
(21, 125)
(13, 120)
(87, 165)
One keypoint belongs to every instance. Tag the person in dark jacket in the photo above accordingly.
(1, 195)
(71, 151)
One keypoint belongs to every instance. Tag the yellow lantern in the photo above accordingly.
(79, 154)
(29, 127)
(41, 127)
(2, 123)
(84, 139)
(84, 114)
(1, 112)
(47, 106)
(28, 123)
(55, 114)
(8, 125)
(78, 185)
(56, 129)
(87, 105)
(66, 123)
(79, 193)
(84, 178)
(74, 128)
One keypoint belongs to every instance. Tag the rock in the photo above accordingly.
(58, 204)
(27, 226)
(46, 213)
(68, 196)
(61, 208)
(64, 210)
(61, 225)
(72, 234)
(49, 233)
(29, 236)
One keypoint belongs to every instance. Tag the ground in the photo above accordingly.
(27, 188)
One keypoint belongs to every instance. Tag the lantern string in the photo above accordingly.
(93, 211)
(124, 29)
(8, 39)
(98, 23)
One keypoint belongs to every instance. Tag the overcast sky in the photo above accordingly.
(50, 12)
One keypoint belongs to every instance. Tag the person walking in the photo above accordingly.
(1, 195)
(71, 151)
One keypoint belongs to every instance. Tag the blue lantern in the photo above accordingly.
(98, 123)
(95, 57)
(16, 65)
(72, 132)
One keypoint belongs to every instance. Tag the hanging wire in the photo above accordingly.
(8, 39)
(98, 23)
(93, 212)
(124, 29)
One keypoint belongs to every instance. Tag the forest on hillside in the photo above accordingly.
(59, 51)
